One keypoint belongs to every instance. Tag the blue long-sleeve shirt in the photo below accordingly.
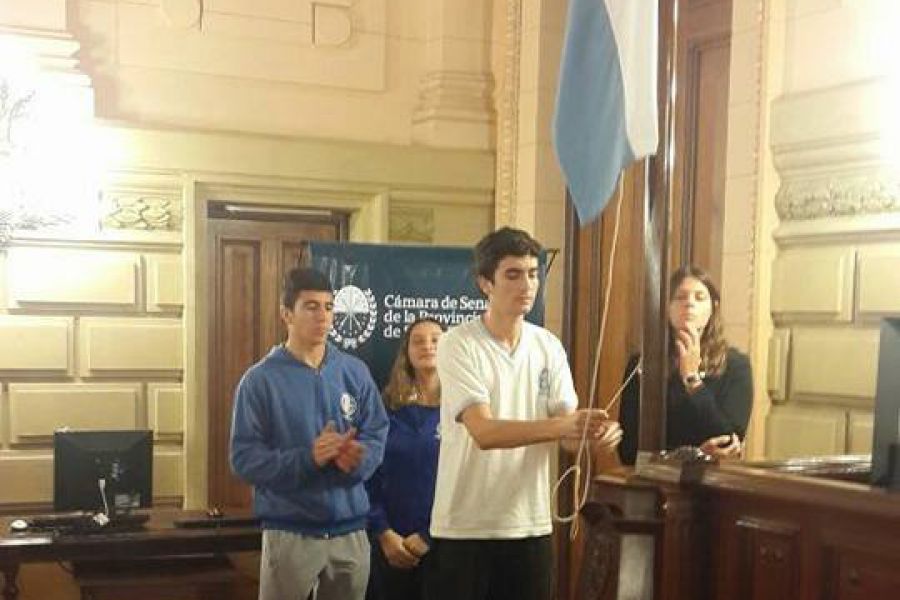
(402, 490)
(281, 406)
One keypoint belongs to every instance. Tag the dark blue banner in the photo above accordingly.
(380, 289)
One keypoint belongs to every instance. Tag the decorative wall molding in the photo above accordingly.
(332, 24)
(141, 210)
(838, 196)
(182, 14)
(831, 148)
(333, 43)
(454, 110)
(15, 219)
(508, 129)
(455, 95)
(53, 52)
(411, 224)
(455, 98)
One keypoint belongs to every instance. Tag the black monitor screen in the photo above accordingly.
(887, 403)
(122, 459)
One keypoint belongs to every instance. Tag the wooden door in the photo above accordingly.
(248, 259)
(701, 134)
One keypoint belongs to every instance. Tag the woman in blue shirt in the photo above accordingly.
(402, 490)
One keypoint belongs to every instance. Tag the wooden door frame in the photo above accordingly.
(660, 176)
(367, 208)
(268, 228)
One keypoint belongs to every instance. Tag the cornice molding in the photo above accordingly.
(832, 196)
(829, 147)
(55, 53)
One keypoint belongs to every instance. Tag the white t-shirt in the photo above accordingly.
(502, 493)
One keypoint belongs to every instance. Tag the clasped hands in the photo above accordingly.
(341, 448)
(402, 552)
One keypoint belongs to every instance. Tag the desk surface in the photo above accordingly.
(160, 537)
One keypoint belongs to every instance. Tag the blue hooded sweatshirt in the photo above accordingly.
(281, 406)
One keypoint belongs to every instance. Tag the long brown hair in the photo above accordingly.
(401, 386)
(713, 345)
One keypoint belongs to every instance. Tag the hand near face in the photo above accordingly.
(687, 344)
(723, 446)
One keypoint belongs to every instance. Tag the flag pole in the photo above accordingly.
(658, 198)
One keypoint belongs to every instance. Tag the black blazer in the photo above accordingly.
(721, 406)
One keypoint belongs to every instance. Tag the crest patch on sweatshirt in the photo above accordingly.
(349, 406)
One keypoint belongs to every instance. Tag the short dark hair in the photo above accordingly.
(301, 279)
(499, 244)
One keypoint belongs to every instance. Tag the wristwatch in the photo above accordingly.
(692, 379)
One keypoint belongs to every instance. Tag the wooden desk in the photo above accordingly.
(159, 538)
(788, 530)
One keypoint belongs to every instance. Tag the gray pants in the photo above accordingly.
(293, 565)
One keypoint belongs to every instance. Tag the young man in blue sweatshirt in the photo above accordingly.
(308, 431)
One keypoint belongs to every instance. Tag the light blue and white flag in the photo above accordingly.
(606, 106)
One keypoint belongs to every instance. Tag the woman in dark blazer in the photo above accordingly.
(710, 387)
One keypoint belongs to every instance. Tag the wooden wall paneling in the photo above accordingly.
(656, 235)
(236, 317)
(857, 566)
(701, 134)
(597, 578)
(593, 245)
(582, 298)
(682, 544)
(769, 559)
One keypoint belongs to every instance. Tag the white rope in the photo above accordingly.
(580, 495)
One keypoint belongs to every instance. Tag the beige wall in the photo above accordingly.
(83, 346)
(742, 238)
(540, 198)
(828, 214)
(380, 109)
(294, 67)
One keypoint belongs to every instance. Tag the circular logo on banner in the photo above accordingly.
(355, 316)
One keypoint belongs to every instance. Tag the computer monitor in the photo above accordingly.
(121, 459)
(886, 434)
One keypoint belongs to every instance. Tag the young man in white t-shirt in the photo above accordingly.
(506, 398)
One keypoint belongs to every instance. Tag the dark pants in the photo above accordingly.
(490, 569)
